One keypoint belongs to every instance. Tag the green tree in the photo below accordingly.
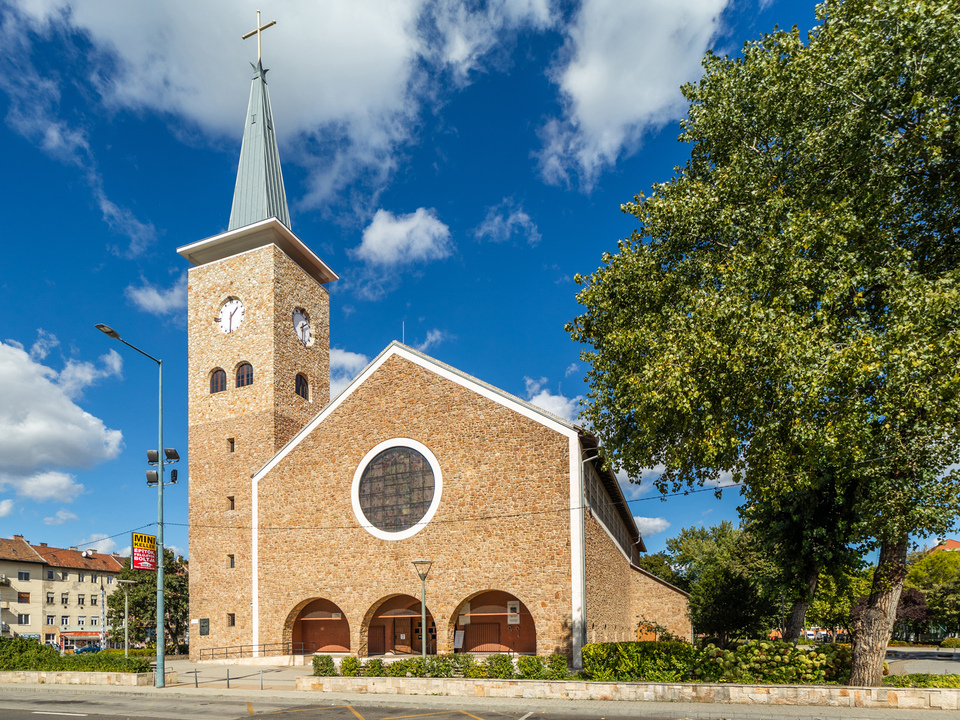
(789, 300)
(727, 603)
(143, 601)
(835, 598)
(660, 564)
(696, 548)
(932, 570)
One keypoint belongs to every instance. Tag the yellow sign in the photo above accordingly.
(143, 555)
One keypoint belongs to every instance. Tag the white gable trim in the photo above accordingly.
(577, 557)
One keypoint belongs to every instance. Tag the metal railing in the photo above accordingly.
(262, 650)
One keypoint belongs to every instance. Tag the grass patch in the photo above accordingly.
(922, 680)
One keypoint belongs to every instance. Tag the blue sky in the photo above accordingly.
(456, 163)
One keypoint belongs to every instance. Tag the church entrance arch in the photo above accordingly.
(493, 621)
(393, 627)
(320, 626)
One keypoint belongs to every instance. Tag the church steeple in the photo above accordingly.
(259, 192)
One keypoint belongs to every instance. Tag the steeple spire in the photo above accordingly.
(259, 192)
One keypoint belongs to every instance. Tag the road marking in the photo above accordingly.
(469, 715)
(401, 717)
(249, 708)
(359, 716)
(526, 716)
(40, 712)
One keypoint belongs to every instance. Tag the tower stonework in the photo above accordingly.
(233, 431)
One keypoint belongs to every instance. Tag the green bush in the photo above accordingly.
(774, 662)
(439, 666)
(134, 652)
(29, 654)
(950, 643)
(500, 667)
(373, 668)
(530, 666)
(459, 661)
(350, 666)
(922, 680)
(649, 661)
(556, 667)
(323, 666)
(398, 668)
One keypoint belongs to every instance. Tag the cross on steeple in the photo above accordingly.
(257, 33)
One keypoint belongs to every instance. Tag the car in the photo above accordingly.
(87, 649)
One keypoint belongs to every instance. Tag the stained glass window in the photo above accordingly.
(396, 489)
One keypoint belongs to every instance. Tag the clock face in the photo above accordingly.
(231, 315)
(301, 326)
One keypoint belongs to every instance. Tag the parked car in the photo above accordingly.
(88, 649)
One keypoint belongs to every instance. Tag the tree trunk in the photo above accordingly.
(872, 628)
(798, 613)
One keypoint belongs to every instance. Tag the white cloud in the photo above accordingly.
(434, 337)
(392, 240)
(44, 344)
(43, 433)
(651, 526)
(60, 518)
(157, 300)
(620, 76)
(99, 542)
(636, 490)
(6, 507)
(344, 366)
(506, 220)
(571, 369)
(559, 405)
(76, 375)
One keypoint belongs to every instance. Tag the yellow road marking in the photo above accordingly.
(399, 717)
(310, 709)
(359, 716)
(469, 715)
(249, 708)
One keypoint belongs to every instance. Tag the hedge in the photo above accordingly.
(922, 680)
(774, 662)
(445, 666)
(646, 660)
(29, 654)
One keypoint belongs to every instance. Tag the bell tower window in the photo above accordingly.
(303, 387)
(218, 381)
(244, 375)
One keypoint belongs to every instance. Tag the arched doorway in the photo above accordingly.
(494, 621)
(394, 628)
(322, 627)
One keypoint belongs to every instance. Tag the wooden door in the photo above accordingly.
(376, 640)
(483, 637)
(402, 642)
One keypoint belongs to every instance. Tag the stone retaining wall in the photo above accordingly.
(823, 695)
(57, 677)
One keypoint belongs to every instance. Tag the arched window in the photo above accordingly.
(218, 381)
(303, 387)
(244, 375)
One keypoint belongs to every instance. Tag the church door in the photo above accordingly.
(483, 637)
(402, 642)
(376, 641)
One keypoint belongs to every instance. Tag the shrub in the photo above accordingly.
(323, 666)
(350, 666)
(950, 642)
(398, 668)
(650, 661)
(29, 654)
(373, 668)
(500, 667)
(774, 661)
(921, 680)
(439, 666)
(530, 666)
(556, 667)
(134, 652)
(459, 661)
(475, 669)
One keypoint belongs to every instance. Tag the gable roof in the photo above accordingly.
(16, 549)
(76, 560)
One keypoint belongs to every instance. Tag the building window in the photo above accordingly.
(231, 445)
(244, 375)
(64, 620)
(231, 619)
(81, 621)
(23, 619)
(50, 575)
(23, 597)
(80, 599)
(65, 599)
(51, 619)
(50, 638)
(396, 489)
(109, 579)
(50, 599)
(231, 505)
(93, 600)
(23, 576)
(231, 561)
(218, 381)
(94, 621)
(93, 578)
(81, 577)
(303, 387)
(66, 576)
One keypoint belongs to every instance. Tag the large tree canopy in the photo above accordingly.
(790, 300)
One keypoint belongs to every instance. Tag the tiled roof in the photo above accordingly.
(18, 550)
(948, 544)
(74, 559)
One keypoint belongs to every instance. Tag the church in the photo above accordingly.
(307, 513)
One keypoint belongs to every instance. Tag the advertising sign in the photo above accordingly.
(144, 552)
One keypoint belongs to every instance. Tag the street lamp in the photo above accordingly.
(423, 567)
(126, 614)
(111, 333)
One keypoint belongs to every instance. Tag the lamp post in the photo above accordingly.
(126, 614)
(423, 567)
(110, 332)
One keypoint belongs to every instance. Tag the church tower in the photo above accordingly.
(259, 369)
